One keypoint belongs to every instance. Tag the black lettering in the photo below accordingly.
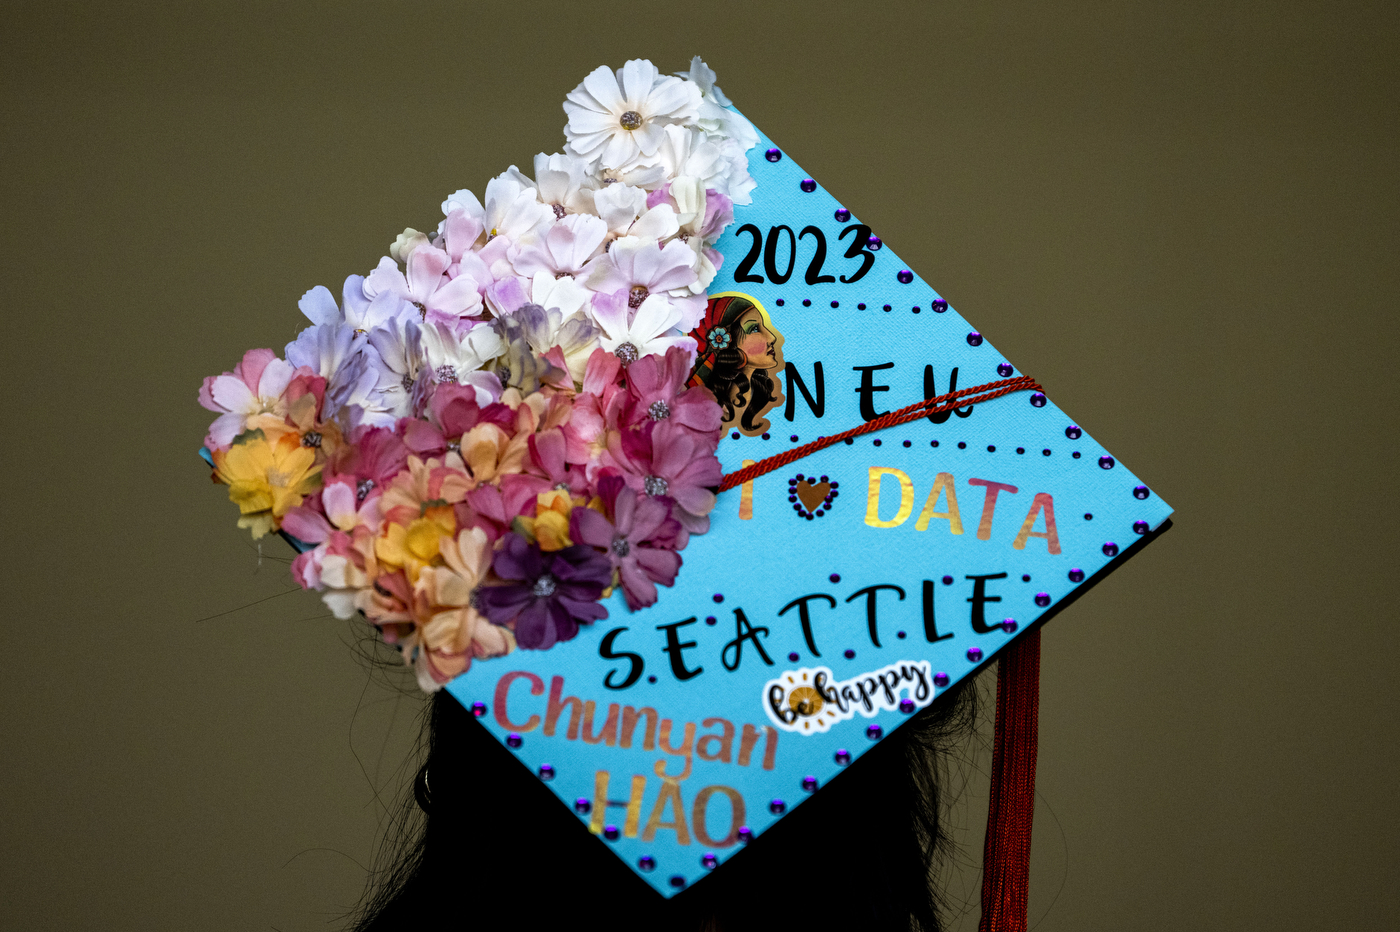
(857, 248)
(675, 646)
(870, 592)
(868, 388)
(930, 625)
(818, 405)
(814, 268)
(786, 715)
(741, 274)
(979, 598)
(605, 650)
(770, 255)
(931, 391)
(806, 618)
(743, 631)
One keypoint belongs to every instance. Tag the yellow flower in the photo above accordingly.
(266, 479)
(550, 526)
(417, 544)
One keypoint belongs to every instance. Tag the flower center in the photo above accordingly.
(422, 311)
(558, 211)
(454, 446)
(655, 485)
(659, 411)
(638, 294)
(544, 586)
(407, 382)
(311, 439)
(621, 547)
(362, 488)
(447, 373)
(627, 352)
(631, 120)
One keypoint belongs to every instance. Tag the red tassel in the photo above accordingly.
(1006, 859)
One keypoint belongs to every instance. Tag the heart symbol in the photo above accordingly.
(811, 496)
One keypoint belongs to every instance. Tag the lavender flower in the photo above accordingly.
(547, 594)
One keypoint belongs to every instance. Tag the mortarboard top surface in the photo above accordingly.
(897, 565)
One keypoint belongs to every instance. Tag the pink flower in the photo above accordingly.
(667, 460)
(655, 384)
(635, 540)
(370, 459)
(587, 429)
(569, 248)
(257, 385)
(425, 286)
(643, 267)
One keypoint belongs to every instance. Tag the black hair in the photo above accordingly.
(726, 377)
(483, 844)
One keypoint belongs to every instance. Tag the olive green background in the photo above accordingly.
(1182, 219)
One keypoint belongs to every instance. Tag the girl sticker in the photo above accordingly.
(739, 357)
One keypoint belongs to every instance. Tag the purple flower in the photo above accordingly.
(635, 541)
(547, 594)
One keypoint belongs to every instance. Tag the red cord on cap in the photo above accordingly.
(1006, 859)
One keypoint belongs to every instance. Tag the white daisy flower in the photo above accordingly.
(631, 334)
(452, 357)
(616, 117)
(714, 117)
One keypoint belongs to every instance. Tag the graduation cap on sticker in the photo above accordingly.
(498, 452)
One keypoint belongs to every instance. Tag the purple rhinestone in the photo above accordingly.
(1025, 577)
(874, 243)
(940, 679)
(947, 580)
(1042, 599)
(835, 303)
(808, 185)
(860, 307)
(793, 438)
(907, 444)
(916, 309)
(991, 448)
(479, 709)
(646, 863)
(842, 215)
(905, 276)
(1076, 575)
(974, 339)
(651, 678)
(974, 654)
(835, 577)
(1110, 549)
(1105, 462)
(962, 444)
(1044, 452)
(711, 620)
(546, 772)
(718, 597)
(792, 656)
(907, 706)
(823, 479)
(843, 757)
(901, 635)
(1008, 625)
(1020, 449)
(889, 307)
(678, 881)
(610, 832)
(1140, 527)
(809, 784)
(765, 436)
(878, 442)
(1141, 492)
(777, 807)
(1004, 369)
(792, 498)
(1088, 516)
(874, 732)
(834, 485)
(773, 155)
(800, 477)
(1073, 433)
(849, 654)
(1038, 399)
(779, 302)
(734, 435)
(806, 302)
(819, 512)
(514, 740)
(709, 861)
(745, 834)
(582, 805)
(940, 306)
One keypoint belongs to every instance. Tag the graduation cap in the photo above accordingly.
(840, 591)
(900, 506)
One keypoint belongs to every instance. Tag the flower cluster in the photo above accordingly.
(495, 428)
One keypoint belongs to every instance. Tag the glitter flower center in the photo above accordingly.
(637, 295)
(544, 586)
(631, 120)
(659, 411)
(655, 485)
(626, 352)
